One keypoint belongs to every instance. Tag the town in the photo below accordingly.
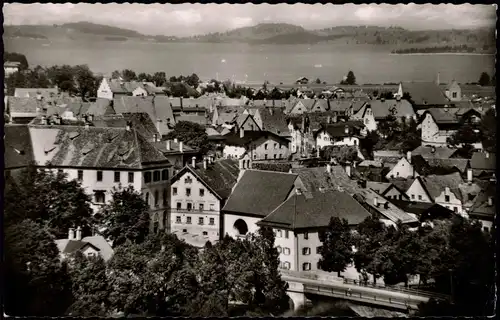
(142, 195)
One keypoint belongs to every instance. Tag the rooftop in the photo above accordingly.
(317, 177)
(17, 143)
(425, 93)
(483, 161)
(399, 108)
(434, 152)
(249, 136)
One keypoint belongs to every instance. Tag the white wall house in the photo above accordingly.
(403, 169)
(323, 139)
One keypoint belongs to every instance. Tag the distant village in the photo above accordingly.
(395, 152)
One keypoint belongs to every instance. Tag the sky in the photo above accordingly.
(190, 19)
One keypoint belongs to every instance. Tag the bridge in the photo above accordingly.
(325, 284)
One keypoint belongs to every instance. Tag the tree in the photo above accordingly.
(62, 76)
(36, 283)
(49, 199)
(193, 80)
(351, 79)
(192, 134)
(126, 217)
(343, 154)
(145, 77)
(85, 81)
(488, 130)
(159, 78)
(318, 81)
(484, 79)
(89, 286)
(466, 134)
(116, 74)
(128, 75)
(369, 142)
(16, 57)
(336, 249)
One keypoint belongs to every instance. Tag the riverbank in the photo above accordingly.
(442, 54)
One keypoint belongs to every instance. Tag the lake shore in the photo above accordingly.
(442, 54)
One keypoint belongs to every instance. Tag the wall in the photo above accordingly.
(393, 193)
(89, 250)
(313, 243)
(10, 70)
(230, 219)
(276, 148)
(139, 92)
(431, 133)
(299, 108)
(452, 204)
(289, 243)
(402, 169)
(234, 152)
(324, 139)
(416, 189)
(249, 124)
(211, 208)
(104, 91)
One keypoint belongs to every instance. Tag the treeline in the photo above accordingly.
(456, 254)
(148, 275)
(441, 49)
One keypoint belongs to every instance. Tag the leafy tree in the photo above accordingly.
(86, 83)
(62, 76)
(193, 80)
(36, 283)
(318, 81)
(128, 75)
(159, 78)
(484, 79)
(126, 217)
(115, 74)
(343, 154)
(145, 77)
(488, 130)
(16, 57)
(89, 286)
(369, 142)
(336, 249)
(192, 134)
(466, 134)
(351, 79)
(49, 199)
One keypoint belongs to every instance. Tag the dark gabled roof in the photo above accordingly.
(339, 106)
(382, 109)
(260, 192)
(483, 161)
(379, 187)
(24, 105)
(338, 129)
(424, 210)
(33, 92)
(317, 177)
(249, 136)
(273, 120)
(436, 184)
(17, 143)
(425, 93)
(77, 146)
(434, 152)
(402, 184)
(299, 211)
(76, 245)
(384, 207)
(111, 121)
(220, 176)
(460, 164)
(480, 206)
(445, 115)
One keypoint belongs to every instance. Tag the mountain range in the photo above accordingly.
(268, 33)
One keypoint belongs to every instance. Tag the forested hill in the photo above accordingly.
(274, 33)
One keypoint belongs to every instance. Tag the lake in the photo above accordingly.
(255, 63)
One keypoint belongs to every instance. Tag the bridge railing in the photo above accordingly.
(397, 289)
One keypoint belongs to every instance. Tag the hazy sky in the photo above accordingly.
(190, 19)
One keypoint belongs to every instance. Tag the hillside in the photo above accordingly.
(401, 40)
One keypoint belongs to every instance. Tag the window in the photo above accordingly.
(211, 221)
(188, 221)
(306, 266)
(454, 94)
(265, 156)
(60, 171)
(286, 251)
(455, 209)
(157, 198)
(318, 250)
(255, 156)
(80, 175)
(100, 197)
(280, 234)
(306, 251)
(174, 191)
(130, 177)
(447, 198)
(184, 230)
(165, 197)
(156, 175)
(486, 229)
(205, 233)
(212, 207)
(179, 205)
(201, 206)
(419, 197)
(164, 174)
(200, 220)
(286, 265)
(275, 146)
(279, 249)
(286, 234)
(178, 219)
(202, 192)
(188, 180)
(189, 206)
(413, 196)
(99, 175)
(147, 198)
(306, 235)
(117, 176)
(274, 156)
(188, 192)
(265, 146)
(147, 177)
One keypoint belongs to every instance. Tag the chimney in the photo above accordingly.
(328, 168)
(176, 140)
(321, 189)
(169, 145)
(193, 161)
(433, 149)
(408, 156)
(490, 201)
(375, 202)
(487, 155)
(205, 160)
(271, 111)
(242, 132)
(87, 126)
(44, 121)
(469, 175)
(317, 152)
(78, 233)
(298, 191)
(181, 147)
(335, 118)
(386, 205)
(57, 120)
(71, 234)
(437, 79)
(129, 125)
(398, 97)
(346, 130)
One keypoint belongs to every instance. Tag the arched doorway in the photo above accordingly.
(241, 227)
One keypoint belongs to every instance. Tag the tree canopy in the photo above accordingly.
(484, 79)
(191, 133)
(336, 249)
